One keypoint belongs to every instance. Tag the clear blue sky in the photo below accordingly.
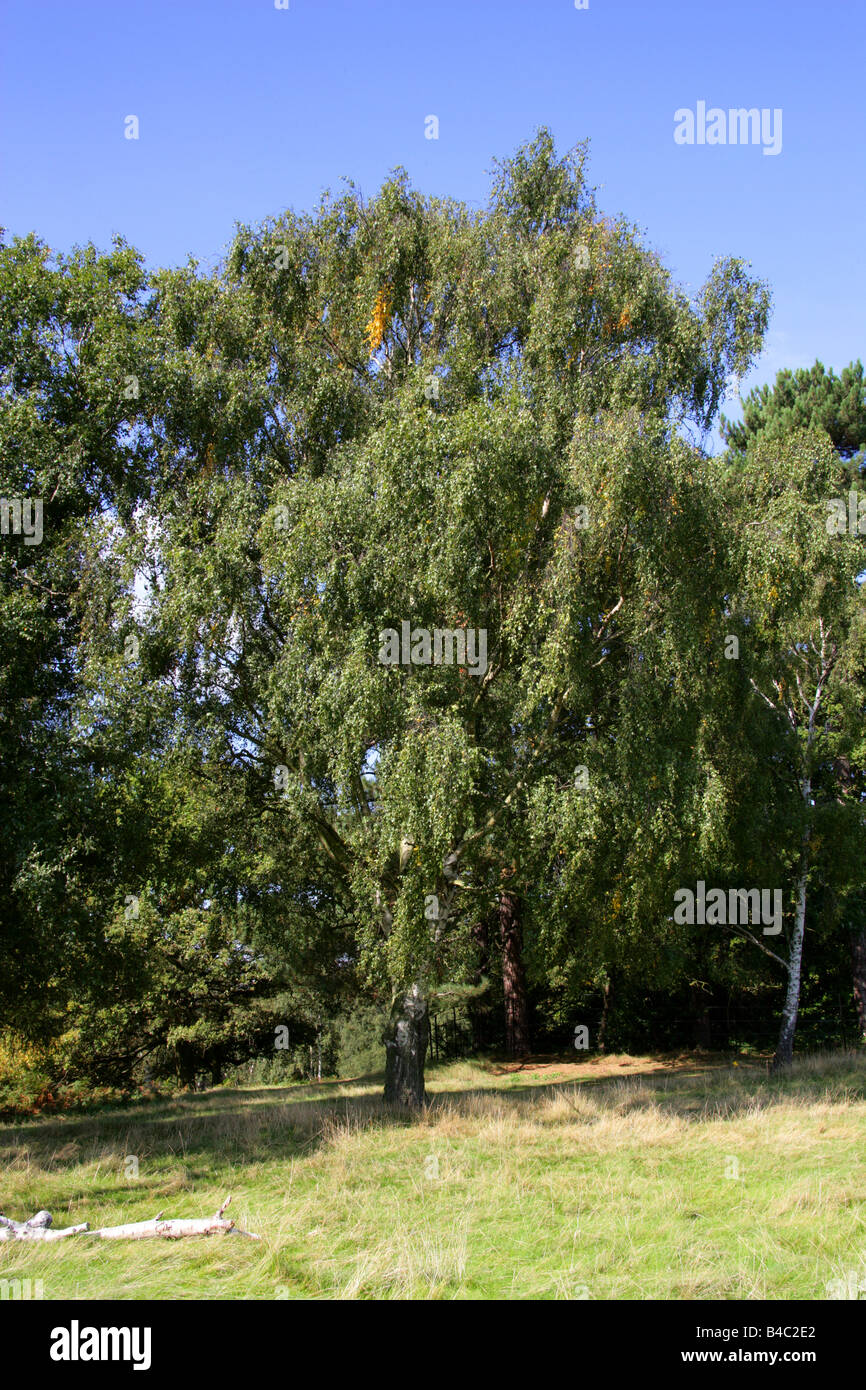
(246, 110)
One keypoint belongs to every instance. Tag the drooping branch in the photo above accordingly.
(496, 816)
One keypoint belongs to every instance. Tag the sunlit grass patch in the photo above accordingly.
(719, 1182)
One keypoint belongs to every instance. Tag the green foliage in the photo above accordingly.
(357, 498)
(384, 412)
(360, 1046)
(806, 399)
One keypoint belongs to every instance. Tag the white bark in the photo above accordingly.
(173, 1229)
(785, 1049)
(37, 1228)
(169, 1230)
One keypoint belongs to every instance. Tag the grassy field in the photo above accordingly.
(634, 1178)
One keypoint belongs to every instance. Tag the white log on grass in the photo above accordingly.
(38, 1228)
(173, 1229)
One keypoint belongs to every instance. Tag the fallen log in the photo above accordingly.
(37, 1228)
(173, 1229)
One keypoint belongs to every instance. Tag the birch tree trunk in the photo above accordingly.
(405, 1050)
(785, 1046)
(828, 655)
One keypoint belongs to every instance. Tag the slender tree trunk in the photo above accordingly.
(605, 1013)
(513, 977)
(405, 1049)
(858, 970)
(785, 1046)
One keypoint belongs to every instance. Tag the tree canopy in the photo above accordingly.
(386, 584)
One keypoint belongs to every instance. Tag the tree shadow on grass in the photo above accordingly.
(247, 1126)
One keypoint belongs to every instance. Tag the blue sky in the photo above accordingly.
(246, 110)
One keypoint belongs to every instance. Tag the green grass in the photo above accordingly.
(507, 1187)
